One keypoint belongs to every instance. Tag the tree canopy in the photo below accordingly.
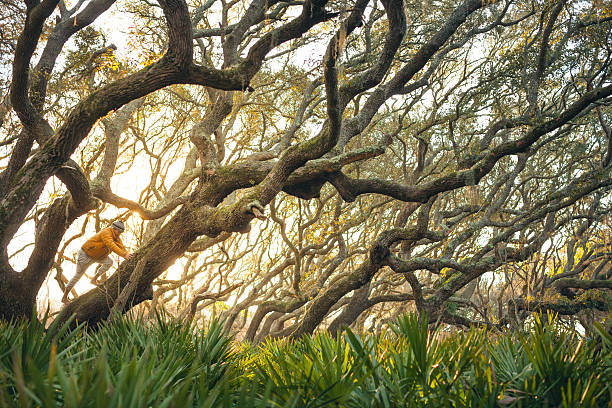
(311, 164)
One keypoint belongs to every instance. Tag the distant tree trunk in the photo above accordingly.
(357, 305)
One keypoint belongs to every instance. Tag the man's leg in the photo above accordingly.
(105, 264)
(96, 275)
(83, 262)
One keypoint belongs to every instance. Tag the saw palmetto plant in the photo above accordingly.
(134, 362)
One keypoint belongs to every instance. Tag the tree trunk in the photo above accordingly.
(16, 300)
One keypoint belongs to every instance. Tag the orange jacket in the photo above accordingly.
(101, 244)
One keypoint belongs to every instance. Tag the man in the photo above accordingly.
(96, 250)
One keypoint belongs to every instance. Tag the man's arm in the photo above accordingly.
(122, 246)
(107, 238)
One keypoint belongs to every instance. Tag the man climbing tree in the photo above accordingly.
(96, 250)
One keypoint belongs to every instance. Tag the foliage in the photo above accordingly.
(134, 362)
(486, 124)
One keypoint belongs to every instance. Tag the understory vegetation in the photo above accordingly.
(161, 362)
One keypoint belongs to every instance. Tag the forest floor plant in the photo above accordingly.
(135, 362)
